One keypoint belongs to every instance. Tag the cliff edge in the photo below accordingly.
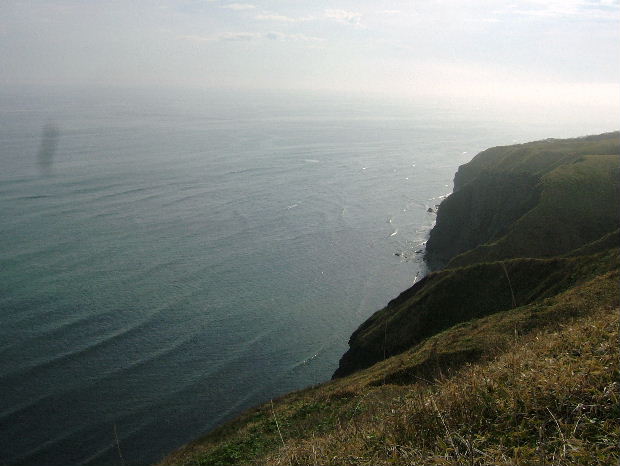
(539, 199)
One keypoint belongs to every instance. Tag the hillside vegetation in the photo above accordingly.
(538, 199)
(507, 356)
(451, 296)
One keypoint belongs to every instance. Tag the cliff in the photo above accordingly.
(538, 199)
(452, 296)
(514, 212)
(505, 354)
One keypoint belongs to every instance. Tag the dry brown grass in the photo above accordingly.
(552, 399)
(541, 389)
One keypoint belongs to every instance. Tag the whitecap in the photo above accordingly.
(312, 160)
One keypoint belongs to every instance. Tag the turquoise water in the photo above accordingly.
(170, 260)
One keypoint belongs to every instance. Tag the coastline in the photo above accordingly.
(434, 326)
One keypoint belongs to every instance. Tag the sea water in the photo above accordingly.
(168, 260)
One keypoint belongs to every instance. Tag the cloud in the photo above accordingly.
(592, 10)
(224, 37)
(237, 36)
(239, 6)
(344, 16)
(291, 37)
(282, 18)
(253, 36)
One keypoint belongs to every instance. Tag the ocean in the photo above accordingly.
(169, 259)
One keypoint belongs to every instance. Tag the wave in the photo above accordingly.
(108, 340)
(439, 198)
(30, 197)
(175, 347)
(122, 193)
(308, 360)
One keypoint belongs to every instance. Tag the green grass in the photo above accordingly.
(452, 296)
(578, 204)
(541, 387)
(551, 399)
(536, 158)
(538, 199)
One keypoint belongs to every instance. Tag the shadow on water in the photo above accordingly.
(47, 150)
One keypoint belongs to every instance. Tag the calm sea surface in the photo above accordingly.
(167, 261)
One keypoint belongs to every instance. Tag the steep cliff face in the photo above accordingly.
(523, 205)
(479, 213)
(578, 204)
(452, 296)
(529, 200)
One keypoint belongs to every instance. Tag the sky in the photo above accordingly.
(486, 49)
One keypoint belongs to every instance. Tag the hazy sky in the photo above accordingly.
(568, 48)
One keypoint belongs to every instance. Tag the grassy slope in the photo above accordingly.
(505, 201)
(551, 399)
(535, 158)
(452, 296)
(543, 389)
(578, 204)
(608, 241)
